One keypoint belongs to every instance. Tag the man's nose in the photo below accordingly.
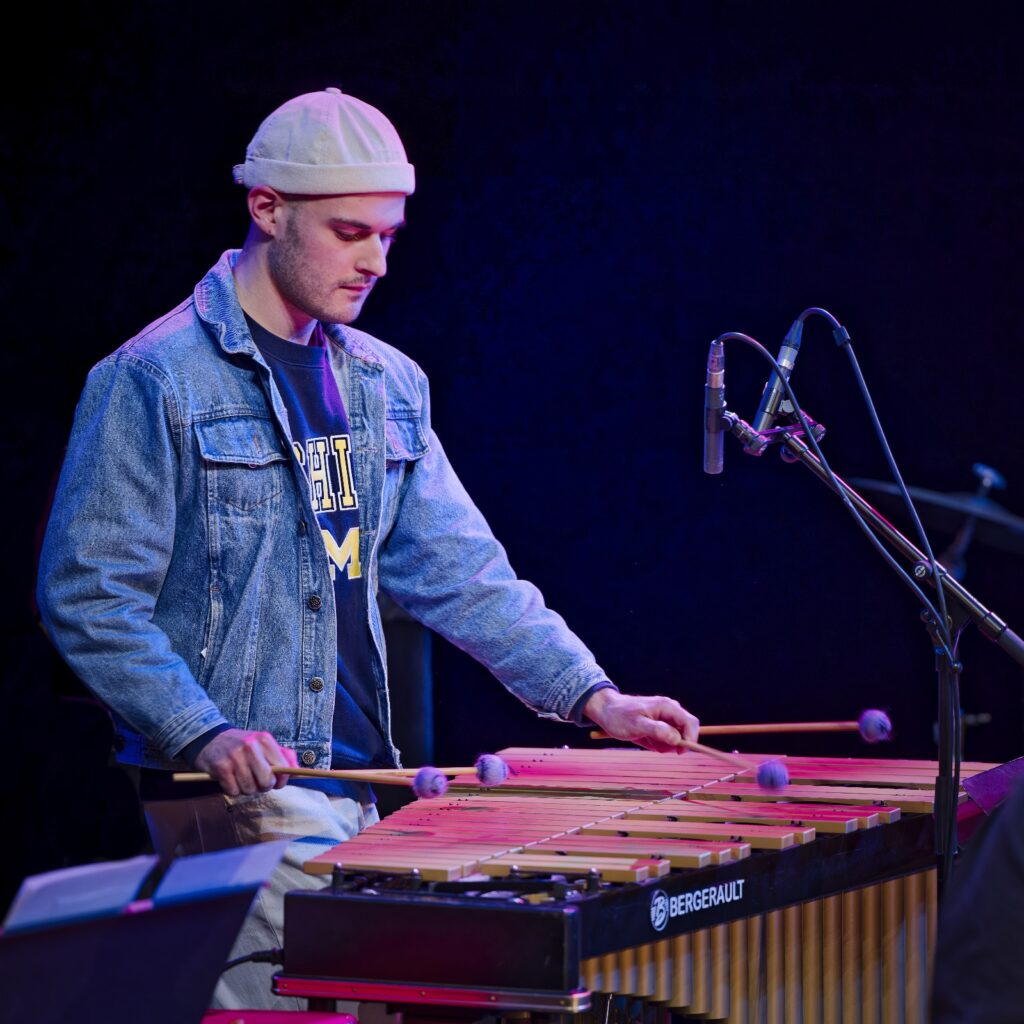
(373, 256)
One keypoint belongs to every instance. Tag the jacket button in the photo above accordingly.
(314, 602)
(302, 527)
(316, 684)
(308, 758)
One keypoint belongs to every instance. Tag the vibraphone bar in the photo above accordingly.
(639, 875)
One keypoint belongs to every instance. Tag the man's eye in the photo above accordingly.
(347, 236)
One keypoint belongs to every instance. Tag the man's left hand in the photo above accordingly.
(657, 723)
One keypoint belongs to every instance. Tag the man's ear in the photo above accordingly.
(265, 208)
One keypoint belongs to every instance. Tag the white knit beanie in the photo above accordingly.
(327, 143)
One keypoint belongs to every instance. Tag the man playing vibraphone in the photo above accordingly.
(241, 478)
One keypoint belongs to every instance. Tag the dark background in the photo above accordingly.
(602, 190)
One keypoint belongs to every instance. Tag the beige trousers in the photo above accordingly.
(311, 820)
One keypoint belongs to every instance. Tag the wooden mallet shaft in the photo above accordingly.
(736, 762)
(489, 770)
(379, 776)
(771, 775)
(761, 727)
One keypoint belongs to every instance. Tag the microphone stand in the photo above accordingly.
(964, 608)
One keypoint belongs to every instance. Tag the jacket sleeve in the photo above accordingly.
(107, 547)
(442, 563)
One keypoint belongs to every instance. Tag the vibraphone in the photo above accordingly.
(594, 876)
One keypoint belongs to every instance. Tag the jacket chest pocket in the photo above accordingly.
(404, 446)
(403, 436)
(244, 460)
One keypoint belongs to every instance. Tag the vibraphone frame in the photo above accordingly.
(769, 948)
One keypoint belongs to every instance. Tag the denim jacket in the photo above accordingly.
(183, 576)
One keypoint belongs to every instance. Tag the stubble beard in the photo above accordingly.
(292, 271)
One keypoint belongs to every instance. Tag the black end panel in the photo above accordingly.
(420, 939)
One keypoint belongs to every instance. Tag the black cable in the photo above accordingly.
(259, 956)
(875, 541)
(941, 634)
(950, 648)
(957, 724)
(842, 337)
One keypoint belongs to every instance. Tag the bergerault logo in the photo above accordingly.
(659, 910)
(665, 907)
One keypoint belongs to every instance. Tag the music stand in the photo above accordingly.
(156, 961)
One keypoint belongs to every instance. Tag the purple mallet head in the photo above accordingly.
(772, 776)
(429, 782)
(875, 726)
(491, 770)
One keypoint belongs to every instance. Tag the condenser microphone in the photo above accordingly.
(714, 403)
(774, 391)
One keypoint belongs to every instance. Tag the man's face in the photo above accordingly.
(331, 250)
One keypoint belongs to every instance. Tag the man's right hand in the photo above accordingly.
(241, 761)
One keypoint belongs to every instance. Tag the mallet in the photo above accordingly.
(873, 725)
(426, 782)
(771, 775)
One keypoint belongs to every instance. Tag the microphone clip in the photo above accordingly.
(756, 442)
